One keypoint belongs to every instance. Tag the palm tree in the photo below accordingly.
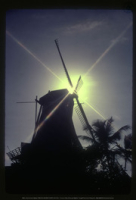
(126, 152)
(104, 138)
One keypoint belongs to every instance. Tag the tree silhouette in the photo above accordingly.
(126, 152)
(101, 151)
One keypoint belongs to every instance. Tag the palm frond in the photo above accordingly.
(99, 129)
(123, 153)
(89, 139)
(109, 128)
(124, 128)
(110, 120)
(103, 129)
(117, 135)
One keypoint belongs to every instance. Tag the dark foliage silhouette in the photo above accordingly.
(103, 149)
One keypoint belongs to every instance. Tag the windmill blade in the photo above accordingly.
(25, 102)
(83, 119)
(80, 117)
(79, 84)
(36, 101)
(68, 77)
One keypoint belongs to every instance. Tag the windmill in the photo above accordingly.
(54, 134)
(55, 153)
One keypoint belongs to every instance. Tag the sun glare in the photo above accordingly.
(65, 84)
(85, 87)
(71, 89)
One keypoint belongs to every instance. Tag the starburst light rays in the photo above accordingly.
(108, 49)
(50, 114)
(25, 48)
(95, 110)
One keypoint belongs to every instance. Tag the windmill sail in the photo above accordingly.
(69, 80)
(86, 124)
(79, 84)
(80, 117)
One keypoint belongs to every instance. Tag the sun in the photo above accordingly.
(86, 86)
(71, 89)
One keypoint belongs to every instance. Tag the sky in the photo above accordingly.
(96, 44)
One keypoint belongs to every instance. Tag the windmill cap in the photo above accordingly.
(53, 95)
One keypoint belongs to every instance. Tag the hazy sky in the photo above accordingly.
(96, 44)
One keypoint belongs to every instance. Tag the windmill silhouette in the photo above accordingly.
(54, 135)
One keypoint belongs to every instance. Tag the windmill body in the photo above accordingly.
(55, 135)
